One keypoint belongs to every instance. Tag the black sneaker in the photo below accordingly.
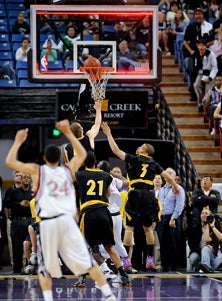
(203, 268)
(125, 281)
(81, 282)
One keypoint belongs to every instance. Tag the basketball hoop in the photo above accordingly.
(98, 78)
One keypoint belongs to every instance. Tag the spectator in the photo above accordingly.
(65, 46)
(22, 52)
(168, 228)
(218, 116)
(16, 184)
(211, 256)
(205, 68)
(179, 25)
(21, 26)
(49, 52)
(126, 60)
(141, 38)
(217, 45)
(195, 31)
(196, 246)
(6, 72)
(217, 25)
(211, 99)
(3, 235)
(18, 202)
(201, 198)
(120, 32)
(162, 32)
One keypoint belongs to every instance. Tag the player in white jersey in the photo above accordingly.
(56, 205)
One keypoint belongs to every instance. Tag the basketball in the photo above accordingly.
(92, 62)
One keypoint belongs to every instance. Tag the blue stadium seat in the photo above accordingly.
(3, 13)
(57, 65)
(17, 38)
(69, 65)
(22, 74)
(20, 65)
(26, 83)
(56, 85)
(108, 28)
(3, 28)
(2, 6)
(15, 1)
(88, 37)
(6, 83)
(5, 46)
(11, 63)
(6, 55)
(15, 6)
(3, 21)
(15, 46)
(4, 37)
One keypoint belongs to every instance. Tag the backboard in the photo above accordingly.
(146, 66)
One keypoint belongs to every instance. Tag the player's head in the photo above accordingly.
(52, 153)
(145, 148)
(90, 160)
(104, 165)
(77, 129)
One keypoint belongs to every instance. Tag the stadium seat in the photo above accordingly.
(5, 46)
(15, 6)
(88, 37)
(6, 55)
(3, 13)
(3, 28)
(4, 37)
(15, 46)
(56, 85)
(57, 65)
(17, 38)
(14, 13)
(20, 65)
(7, 83)
(2, 6)
(22, 74)
(69, 65)
(26, 83)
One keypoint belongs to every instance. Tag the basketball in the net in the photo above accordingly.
(92, 62)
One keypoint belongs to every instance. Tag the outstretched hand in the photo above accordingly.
(105, 128)
(98, 105)
(63, 126)
(21, 135)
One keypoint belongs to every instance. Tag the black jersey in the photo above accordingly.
(84, 140)
(141, 171)
(92, 186)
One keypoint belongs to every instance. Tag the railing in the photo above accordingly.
(167, 130)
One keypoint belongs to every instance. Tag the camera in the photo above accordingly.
(217, 218)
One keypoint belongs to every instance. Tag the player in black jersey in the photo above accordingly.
(95, 219)
(86, 140)
(142, 206)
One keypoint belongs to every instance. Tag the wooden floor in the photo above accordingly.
(145, 287)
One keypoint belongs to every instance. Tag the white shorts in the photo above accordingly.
(61, 236)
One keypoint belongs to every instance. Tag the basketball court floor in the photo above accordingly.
(145, 287)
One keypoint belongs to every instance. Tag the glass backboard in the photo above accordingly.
(125, 35)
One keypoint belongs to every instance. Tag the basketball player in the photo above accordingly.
(141, 206)
(55, 205)
(95, 219)
(86, 140)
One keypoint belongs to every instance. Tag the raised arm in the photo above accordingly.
(114, 147)
(75, 163)
(93, 132)
(11, 160)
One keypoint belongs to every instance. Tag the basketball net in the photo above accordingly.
(98, 78)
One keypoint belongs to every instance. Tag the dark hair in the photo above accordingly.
(25, 38)
(104, 165)
(90, 159)
(202, 41)
(52, 153)
(207, 176)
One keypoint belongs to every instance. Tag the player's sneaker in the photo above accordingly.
(126, 263)
(150, 263)
(33, 258)
(125, 281)
(81, 282)
(109, 275)
(110, 298)
(29, 269)
(131, 270)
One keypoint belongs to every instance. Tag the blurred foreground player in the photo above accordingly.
(56, 184)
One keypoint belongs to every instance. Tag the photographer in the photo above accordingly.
(211, 256)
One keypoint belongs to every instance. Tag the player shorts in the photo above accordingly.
(97, 226)
(141, 207)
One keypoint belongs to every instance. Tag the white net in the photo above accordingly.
(98, 78)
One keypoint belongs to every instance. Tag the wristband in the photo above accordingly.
(212, 227)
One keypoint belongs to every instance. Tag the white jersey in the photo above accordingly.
(115, 197)
(56, 193)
